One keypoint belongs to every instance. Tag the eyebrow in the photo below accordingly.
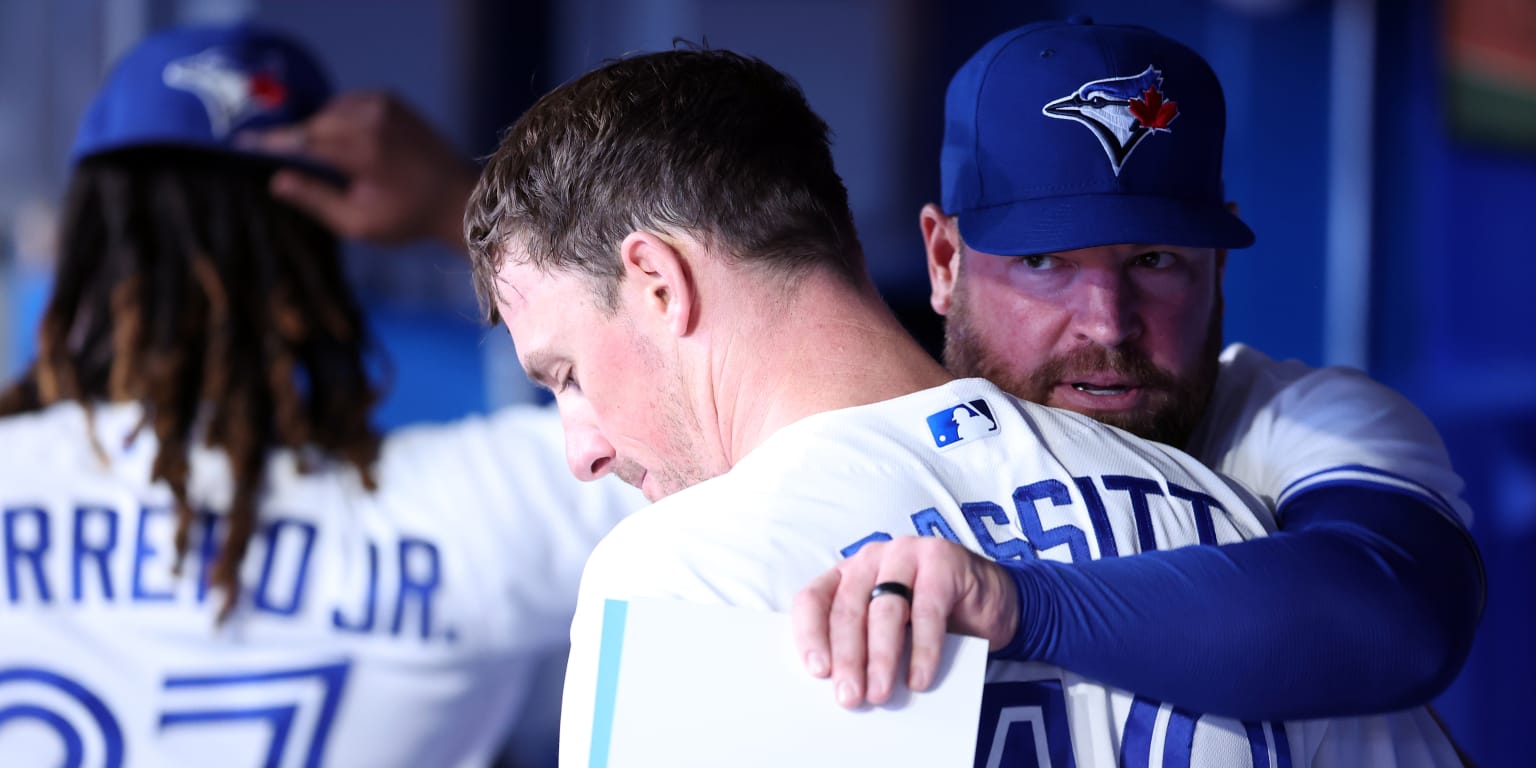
(537, 364)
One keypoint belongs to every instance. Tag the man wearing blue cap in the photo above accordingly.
(210, 557)
(669, 245)
(1078, 257)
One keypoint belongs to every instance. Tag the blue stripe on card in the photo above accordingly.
(608, 655)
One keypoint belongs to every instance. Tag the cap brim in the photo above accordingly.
(258, 158)
(1086, 221)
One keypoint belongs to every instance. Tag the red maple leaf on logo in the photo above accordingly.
(268, 91)
(1152, 111)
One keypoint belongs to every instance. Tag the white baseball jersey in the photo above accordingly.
(1283, 428)
(1005, 478)
(397, 628)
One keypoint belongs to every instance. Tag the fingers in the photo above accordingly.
(350, 134)
(857, 640)
(809, 615)
(346, 133)
(933, 599)
(287, 140)
(405, 181)
(320, 199)
(886, 637)
(847, 628)
(863, 636)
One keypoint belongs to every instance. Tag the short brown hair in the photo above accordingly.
(712, 143)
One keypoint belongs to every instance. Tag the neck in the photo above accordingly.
(823, 346)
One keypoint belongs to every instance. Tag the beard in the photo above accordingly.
(680, 461)
(685, 466)
(1172, 405)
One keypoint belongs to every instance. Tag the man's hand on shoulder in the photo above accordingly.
(847, 630)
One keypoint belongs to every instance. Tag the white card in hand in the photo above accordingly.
(682, 684)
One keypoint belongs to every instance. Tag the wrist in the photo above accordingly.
(1014, 608)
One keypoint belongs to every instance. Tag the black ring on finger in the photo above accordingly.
(891, 588)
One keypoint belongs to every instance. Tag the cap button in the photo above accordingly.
(1080, 19)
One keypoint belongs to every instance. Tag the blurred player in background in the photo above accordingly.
(210, 555)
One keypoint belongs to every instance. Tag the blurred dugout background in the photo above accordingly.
(1383, 150)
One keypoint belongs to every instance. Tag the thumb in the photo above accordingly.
(322, 200)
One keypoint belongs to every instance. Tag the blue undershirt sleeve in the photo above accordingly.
(1366, 601)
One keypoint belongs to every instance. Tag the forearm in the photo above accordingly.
(1366, 603)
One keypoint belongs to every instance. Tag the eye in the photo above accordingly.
(1156, 259)
(567, 380)
(1037, 261)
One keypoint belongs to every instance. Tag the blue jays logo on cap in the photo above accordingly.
(961, 422)
(229, 91)
(197, 87)
(1121, 111)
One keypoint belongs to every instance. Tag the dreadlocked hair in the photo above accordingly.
(182, 285)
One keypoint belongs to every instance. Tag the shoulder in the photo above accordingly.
(1257, 394)
(701, 544)
(948, 420)
(944, 440)
(1250, 381)
(60, 420)
(751, 537)
(57, 439)
(1284, 427)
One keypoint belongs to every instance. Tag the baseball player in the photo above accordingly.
(1389, 566)
(1077, 258)
(210, 558)
(669, 246)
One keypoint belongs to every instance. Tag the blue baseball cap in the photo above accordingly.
(1068, 134)
(199, 87)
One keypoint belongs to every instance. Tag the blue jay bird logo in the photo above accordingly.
(961, 422)
(229, 91)
(1121, 111)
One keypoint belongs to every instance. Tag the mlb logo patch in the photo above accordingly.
(961, 422)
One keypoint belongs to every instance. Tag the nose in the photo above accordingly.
(1106, 312)
(588, 453)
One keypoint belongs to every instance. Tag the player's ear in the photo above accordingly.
(941, 237)
(658, 279)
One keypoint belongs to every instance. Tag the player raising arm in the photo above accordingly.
(210, 557)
